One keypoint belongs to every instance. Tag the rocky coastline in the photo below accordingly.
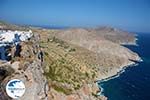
(118, 71)
(116, 74)
(85, 59)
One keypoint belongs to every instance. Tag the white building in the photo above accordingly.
(8, 38)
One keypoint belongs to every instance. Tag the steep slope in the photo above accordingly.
(69, 68)
(113, 57)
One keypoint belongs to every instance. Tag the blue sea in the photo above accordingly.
(134, 83)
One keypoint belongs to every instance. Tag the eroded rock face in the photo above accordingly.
(32, 77)
(32, 73)
(35, 82)
(28, 68)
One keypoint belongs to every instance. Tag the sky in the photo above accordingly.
(131, 15)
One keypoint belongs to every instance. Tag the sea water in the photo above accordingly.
(134, 83)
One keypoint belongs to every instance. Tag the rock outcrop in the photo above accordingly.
(28, 68)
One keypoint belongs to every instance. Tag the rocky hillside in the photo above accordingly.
(65, 64)
(110, 54)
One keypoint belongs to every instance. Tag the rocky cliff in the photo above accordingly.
(28, 68)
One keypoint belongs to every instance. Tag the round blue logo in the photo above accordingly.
(15, 88)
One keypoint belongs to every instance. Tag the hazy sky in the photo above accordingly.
(132, 15)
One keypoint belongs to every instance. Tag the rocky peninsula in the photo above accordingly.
(65, 64)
